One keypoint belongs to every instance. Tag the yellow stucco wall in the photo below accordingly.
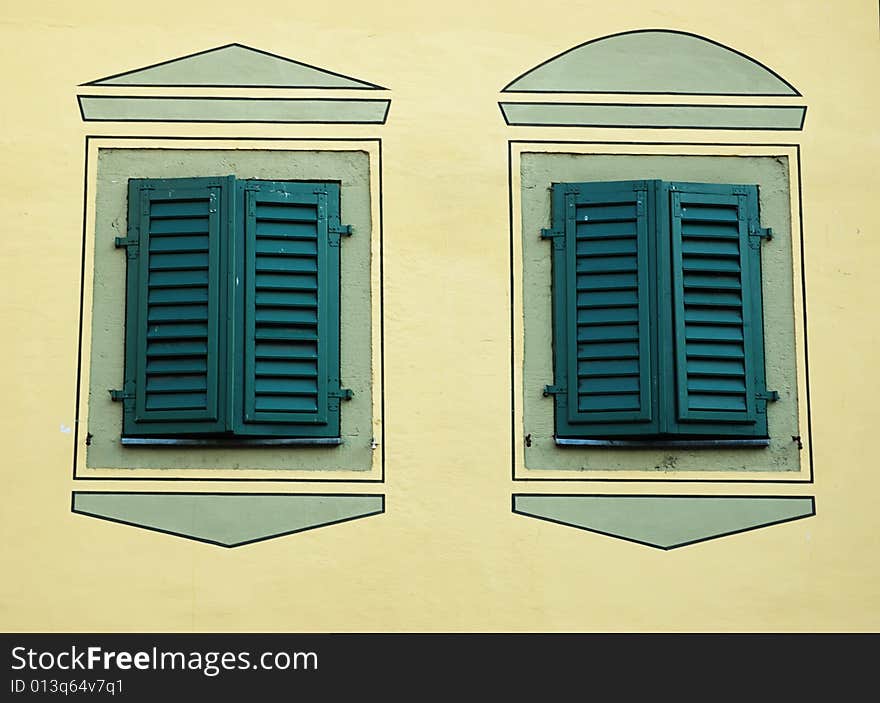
(448, 554)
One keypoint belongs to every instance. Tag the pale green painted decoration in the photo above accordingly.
(665, 522)
(663, 116)
(771, 175)
(115, 166)
(234, 66)
(653, 61)
(104, 108)
(228, 520)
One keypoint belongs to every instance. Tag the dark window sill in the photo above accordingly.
(236, 442)
(661, 443)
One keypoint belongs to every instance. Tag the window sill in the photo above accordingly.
(237, 442)
(660, 443)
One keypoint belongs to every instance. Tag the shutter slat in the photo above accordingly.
(612, 350)
(286, 230)
(178, 313)
(179, 244)
(179, 207)
(608, 315)
(180, 260)
(267, 281)
(158, 402)
(607, 333)
(278, 264)
(287, 247)
(179, 226)
(182, 296)
(607, 247)
(608, 367)
(281, 299)
(177, 330)
(270, 350)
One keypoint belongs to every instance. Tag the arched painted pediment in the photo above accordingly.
(652, 61)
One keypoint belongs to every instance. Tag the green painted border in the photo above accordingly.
(771, 174)
(113, 108)
(115, 166)
(783, 117)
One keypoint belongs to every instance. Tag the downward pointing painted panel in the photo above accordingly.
(665, 522)
(229, 520)
(234, 66)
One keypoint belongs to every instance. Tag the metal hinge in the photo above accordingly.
(342, 393)
(121, 395)
(757, 234)
(553, 390)
(131, 244)
(551, 233)
(335, 233)
(769, 396)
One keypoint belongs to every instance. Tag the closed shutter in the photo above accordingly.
(717, 317)
(602, 279)
(177, 234)
(290, 309)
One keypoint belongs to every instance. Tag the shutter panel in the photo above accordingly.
(602, 275)
(174, 318)
(717, 317)
(290, 303)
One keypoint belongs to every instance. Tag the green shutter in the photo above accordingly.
(174, 379)
(603, 276)
(717, 311)
(288, 296)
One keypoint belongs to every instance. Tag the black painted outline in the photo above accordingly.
(751, 128)
(506, 89)
(648, 544)
(79, 355)
(213, 542)
(365, 85)
(647, 479)
(383, 120)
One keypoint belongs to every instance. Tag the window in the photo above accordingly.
(232, 310)
(657, 312)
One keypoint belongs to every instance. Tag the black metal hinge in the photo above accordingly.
(131, 243)
(553, 390)
(342, 394)
(336, 232)
(121, 395)
(759, 234)
(769, 396)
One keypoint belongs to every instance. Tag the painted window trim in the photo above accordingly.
(661, 416)
(235, 420)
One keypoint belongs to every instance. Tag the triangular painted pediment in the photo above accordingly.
(234, 66)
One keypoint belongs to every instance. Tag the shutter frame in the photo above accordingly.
(142, 278)
(324, 420)
(572, 419)
(689, 417)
